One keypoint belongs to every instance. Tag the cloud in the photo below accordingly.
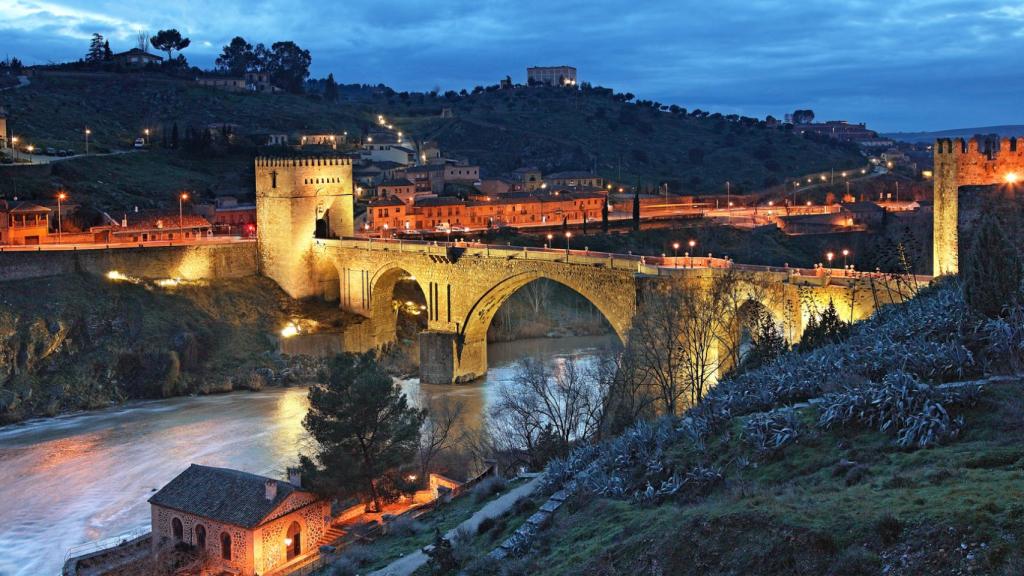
(906, 65)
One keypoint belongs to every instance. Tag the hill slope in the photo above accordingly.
(502, 130)
(886, 472)
(1005, 131)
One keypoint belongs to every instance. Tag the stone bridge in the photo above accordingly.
(465, 284)
(300, 198)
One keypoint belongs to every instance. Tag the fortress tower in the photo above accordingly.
(959, 163)
(299, 198)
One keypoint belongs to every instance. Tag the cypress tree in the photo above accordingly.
(636, 208)
(992, 269)
(604, 216)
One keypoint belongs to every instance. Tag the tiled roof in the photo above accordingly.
(438, 201)
(158, 220)
(389, 201)
(221, 494)
(28, 207)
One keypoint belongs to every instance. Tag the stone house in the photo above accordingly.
(574, 178)
(153, 226)
(136, 58)
(247, 524)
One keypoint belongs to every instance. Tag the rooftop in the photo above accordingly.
(221, 494)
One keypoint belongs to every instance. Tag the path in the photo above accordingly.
(22, 82)
(410, 563)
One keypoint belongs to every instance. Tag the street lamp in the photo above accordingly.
(829, 256)
(146, 132)
(61, 196)
(675, 254)
(14, 142)
(87, 133)
(691, 244)
(550, 238)
(568, 236)
(181, 214)
(845, 254)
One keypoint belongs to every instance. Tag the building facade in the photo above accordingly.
(24, 223)
(136, 58)
(551, 75)
(246, 524)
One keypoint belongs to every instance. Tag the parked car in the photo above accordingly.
(140, 142)
(51, 152)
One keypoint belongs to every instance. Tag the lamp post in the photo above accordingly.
(692, 243)
(675, 254)
(14, 143)
(146, 132)
(87, 133)
(846, 253)
(568, 236)
(181, 213)
(61, 196)
(728, 197)
(829, 256)
(548, 244)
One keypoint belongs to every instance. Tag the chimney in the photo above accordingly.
(124, 221)
(271, 486)
(295, 477)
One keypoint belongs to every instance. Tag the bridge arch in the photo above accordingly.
(383, 312)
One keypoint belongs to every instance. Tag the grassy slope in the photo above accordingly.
(797, 515)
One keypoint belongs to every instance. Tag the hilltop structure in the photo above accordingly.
(551, 75)
(959, 163)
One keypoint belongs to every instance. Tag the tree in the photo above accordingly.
(330, 89)
(992, 269)
(436, 436)
(636, 208)
(823, 328)
(803, 116)
(604, 216)
(142, 40)
(168, 41)
(108, 54)
(95, 53)
(768, 343)
(236, 57)
(289, 66)
(584, 222)
(696, 156)
(363, 426)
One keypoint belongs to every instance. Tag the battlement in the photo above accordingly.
(959, 147)
(295, 161)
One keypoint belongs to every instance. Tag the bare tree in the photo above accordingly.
(626, 390)
(537, 295)
(542, 413)
(142, 40)
(437, 435)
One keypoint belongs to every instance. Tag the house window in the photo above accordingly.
(225, 545)
(200, 536)
(177, 530)
(273, 179)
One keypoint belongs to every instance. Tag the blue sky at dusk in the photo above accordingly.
(905, 65)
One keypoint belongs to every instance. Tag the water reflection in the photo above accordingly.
(83, 477)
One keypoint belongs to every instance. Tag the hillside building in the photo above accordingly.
(4, 138)
(24, 223)
(136, 58)
(551, 75)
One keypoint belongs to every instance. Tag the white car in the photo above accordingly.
(140, 142)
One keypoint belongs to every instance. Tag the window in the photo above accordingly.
(225, 545)
(200, 536)
(177, 530)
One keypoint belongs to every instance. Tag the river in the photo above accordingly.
(74, 479)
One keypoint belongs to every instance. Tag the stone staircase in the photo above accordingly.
(332, 535)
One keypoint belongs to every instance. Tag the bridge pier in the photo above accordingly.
(446, 359)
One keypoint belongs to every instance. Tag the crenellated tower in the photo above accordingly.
(963, 163)
(297, 199)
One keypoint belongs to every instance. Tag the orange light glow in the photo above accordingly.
(1011, 178)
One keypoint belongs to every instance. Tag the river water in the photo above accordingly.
(74, 479)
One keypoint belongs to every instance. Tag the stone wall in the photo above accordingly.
(201, 262)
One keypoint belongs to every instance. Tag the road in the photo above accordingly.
(119, 245)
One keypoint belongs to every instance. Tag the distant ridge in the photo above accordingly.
(918, 137)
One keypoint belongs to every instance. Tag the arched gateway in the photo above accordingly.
(464, 285)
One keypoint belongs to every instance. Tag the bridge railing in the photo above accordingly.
(651, 265)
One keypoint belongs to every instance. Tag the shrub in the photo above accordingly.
(855, 561)
(773, 430)
(485, 525)
(405, 526)
(888, 528)
(488, 488)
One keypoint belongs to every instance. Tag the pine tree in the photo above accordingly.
(108, 54)
(363, 425)
(96, 53)
(992, 269)
(824, 328)
(604, 216)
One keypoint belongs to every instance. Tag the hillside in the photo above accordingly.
(556, 129)
(79, 342)
(502, 130)
(881, 454)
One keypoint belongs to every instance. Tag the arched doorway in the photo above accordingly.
(225, 545)
(293, 541)
(200, 536)
(177, 529)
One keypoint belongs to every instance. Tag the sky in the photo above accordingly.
(898, 66)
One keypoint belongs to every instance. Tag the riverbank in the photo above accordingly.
(78, 342)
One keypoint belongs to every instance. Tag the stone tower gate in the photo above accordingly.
(297, 199)
(959, 163)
